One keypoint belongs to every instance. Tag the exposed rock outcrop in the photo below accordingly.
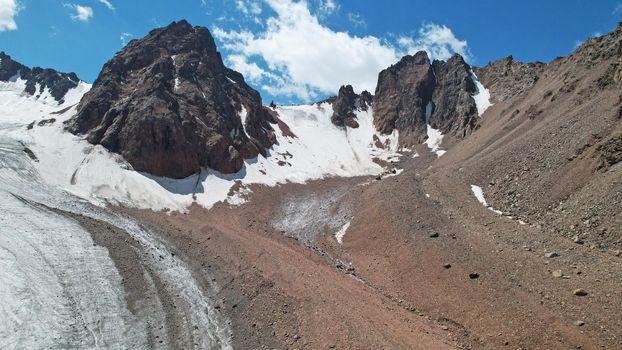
(402, 93)
(38, 79)
(507, 78)
(405, 89)
(170, 107)
(455, 111)
(346, 103)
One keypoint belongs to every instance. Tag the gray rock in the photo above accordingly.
(57, 83)
(405, 89)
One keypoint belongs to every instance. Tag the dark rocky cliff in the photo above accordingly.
(406, 89)
(38, 79)
(170, 107)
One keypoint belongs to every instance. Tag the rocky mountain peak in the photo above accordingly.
(455, 111)
(406, 89)
(346, 103)
(402, 92)
(506, 78)
(38, 79)
(170, 107)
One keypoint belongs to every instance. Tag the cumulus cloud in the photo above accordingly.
(8, 11)
(248, 8)
(125, 37)
(438, 40)
(82, 13)
(107, 4)
(297, 56)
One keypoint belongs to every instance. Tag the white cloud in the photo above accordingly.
(107, 4)
(83, 13)
(298, 56)
(328, 6)
(8, 11)
(248, 7)
(438, 40)
(618, 9)
(356, 20)
(124, 37)
(250, 70)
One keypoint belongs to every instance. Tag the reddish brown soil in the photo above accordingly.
(281, 293)
(547, 156)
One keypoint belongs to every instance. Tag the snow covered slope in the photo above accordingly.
(310, 147)
(58, 288)
(313, 149)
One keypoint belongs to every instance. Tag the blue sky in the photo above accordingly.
(303, 51)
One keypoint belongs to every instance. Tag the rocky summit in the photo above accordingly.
(406, 89)
(346, 103)
(507, 77)
(170, 107)
(37, 79)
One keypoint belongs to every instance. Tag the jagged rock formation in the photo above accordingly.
(405, 89)
(455, 111)
(402, 93)
(507, 78)
(346, 103)
(38, 79)
(169, 106)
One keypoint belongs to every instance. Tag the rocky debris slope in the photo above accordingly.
(551, 154)
(170, 107)
(506, 78)
(37, 79)
(346, 103)
(406, 89)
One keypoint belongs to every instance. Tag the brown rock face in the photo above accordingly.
(345, 103)
(402, 93)
(507, 78)
(405, 89)
(58, 83)
(169, 106)
(455, 111)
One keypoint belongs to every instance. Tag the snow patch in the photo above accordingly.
(481, 96)
(243, 114)
(435, 137)
(177, 82)
(479, 194)
(342, 232)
